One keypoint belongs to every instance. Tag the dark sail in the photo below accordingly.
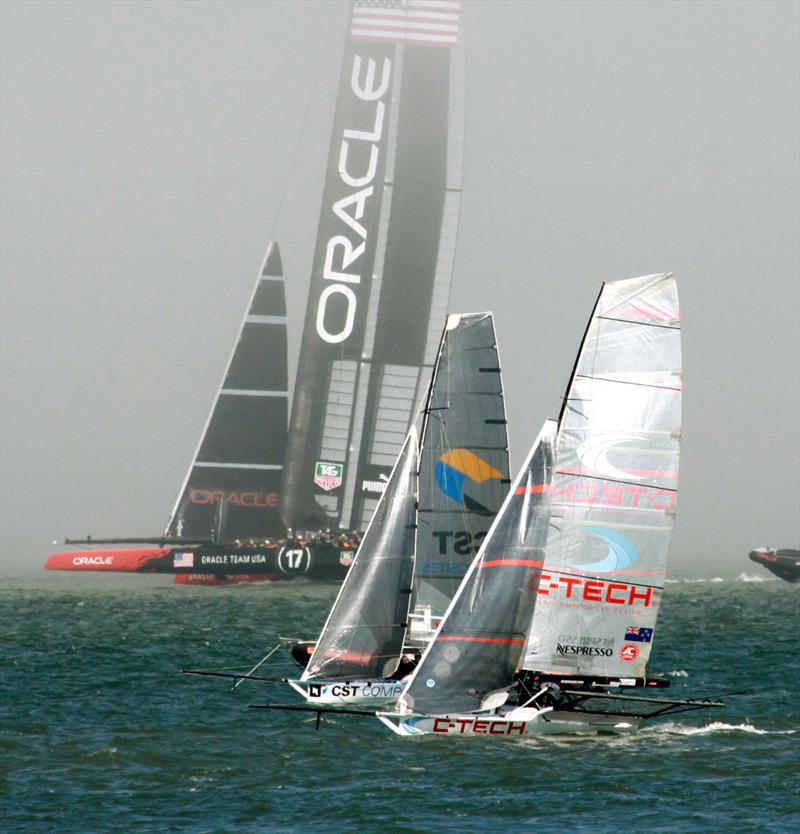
(363, 636)
(479, 643)
(231, 489)
(463, 475)
(383, 261)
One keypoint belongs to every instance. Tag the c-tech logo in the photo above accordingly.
(620, 552)
(453, 471)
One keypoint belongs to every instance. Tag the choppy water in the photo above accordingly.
(101, 734)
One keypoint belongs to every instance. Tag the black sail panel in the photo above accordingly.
(478, 645)
(383, 261)
(363, 636)
(232, 487)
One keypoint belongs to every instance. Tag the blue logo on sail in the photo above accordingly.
(621, 552)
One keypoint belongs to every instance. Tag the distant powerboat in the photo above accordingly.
(784, 563)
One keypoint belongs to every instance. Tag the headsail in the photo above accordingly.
(614, 487)
(231, 489)
(363, 635)
(383, 260)
(463, 476)
(480, 641)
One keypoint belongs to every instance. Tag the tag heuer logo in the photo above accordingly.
(328, 475)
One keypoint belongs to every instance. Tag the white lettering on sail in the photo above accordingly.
(341, 253)
(368, 92)
(349, 295)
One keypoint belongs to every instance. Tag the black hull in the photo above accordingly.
(785, 563)
(317, 561)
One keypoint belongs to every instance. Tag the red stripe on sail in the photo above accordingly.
(520, 563)
(533, 490)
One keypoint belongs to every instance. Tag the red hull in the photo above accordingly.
(133, 560)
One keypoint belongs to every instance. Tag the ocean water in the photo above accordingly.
(100, 732)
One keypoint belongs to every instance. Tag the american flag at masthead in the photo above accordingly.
(425, 22)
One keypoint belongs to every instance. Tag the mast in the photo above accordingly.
(231, 489)
(383, 259)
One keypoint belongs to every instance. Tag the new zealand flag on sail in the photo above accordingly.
(639, 634)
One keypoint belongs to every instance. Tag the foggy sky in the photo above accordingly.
(150, 151)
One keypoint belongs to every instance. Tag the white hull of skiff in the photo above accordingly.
(514, 723)
(348, 693)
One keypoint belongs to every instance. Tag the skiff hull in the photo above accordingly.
(514, 723)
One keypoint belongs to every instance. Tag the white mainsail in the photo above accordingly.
(614, 488)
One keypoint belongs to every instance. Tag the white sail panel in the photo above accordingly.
(614, 488)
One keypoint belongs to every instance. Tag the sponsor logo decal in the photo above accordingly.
(620, 552)
(639, 634)
(183, 560)
(351, 690)
(240, 499)
(294, 559)
(596, 590)
(585, 491)
(463, 542)
(594, 455)
(481, 726)
(453, 471)
(328, 475)
(582, 651)
(346, 557)
(343, 251)
(233, 558)
(92, 560)
(378, 487)
(628, 652)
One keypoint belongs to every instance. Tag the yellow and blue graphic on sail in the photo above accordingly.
(453, 471)
(620, 554)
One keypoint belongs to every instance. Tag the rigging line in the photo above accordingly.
(266, 657)
(628, 382)
(642, 323)
(323, 54)
(614, 481)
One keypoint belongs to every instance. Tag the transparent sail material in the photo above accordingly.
(614, 488)
(363, 636)
(478, 645)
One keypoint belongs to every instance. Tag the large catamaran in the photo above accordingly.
(258, 503)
